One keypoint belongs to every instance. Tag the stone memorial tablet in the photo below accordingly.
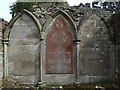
(59, 49)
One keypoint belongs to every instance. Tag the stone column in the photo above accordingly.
(77, 48)
(5, 61)
(1, 66)
(113, 62)
(1, 51)
(41, 55)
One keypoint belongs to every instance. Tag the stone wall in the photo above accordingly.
(95, 54)
(61, 45)
(24, 50)
(63, 65)
(115, 38)
(1, 51)
(2, 26)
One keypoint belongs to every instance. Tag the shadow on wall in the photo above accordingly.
(115, 34)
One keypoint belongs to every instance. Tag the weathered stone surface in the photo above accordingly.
(2, 26)
(76, 12)
(58, 40)
(56, 57)
(24, 47)
(95, 49)
(59, 49)
(115, 38)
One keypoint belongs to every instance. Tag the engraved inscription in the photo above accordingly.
(59, 60)
(59, 49)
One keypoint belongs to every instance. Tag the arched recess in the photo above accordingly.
(95, 56)
(60, 31)
(13, 20)
(66, 16)
(23, 33)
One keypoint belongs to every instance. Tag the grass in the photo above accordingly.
(76, 86)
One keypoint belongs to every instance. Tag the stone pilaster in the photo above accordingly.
(77, 46)
(41, 55)
(5, 58)
(1, 51)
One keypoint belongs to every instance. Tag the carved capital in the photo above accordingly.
(76, 41)
(42, 35)
(5, 41)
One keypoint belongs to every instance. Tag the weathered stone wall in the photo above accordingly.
(1, 51)
(66, 65)
(24, 50)
(2, 26)
(115, 38)
(95, 54)
(117, 71)
(72, 45)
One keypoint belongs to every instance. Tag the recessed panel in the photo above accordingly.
(59, 49)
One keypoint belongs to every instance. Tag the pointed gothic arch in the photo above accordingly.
(15, 18)
(23, 50)
(66, 16)
(95, 50)
(60, 32)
